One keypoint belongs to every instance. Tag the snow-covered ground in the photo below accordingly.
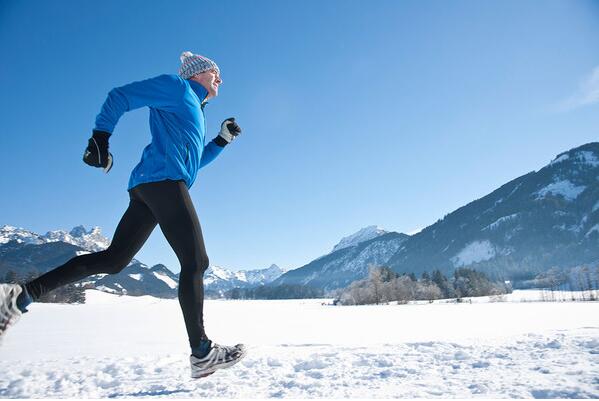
(136, 347)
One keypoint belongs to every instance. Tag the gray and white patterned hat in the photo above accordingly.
(193, 64)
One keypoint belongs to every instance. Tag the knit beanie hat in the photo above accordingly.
(194, 64)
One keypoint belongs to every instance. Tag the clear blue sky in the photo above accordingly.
(354, 113)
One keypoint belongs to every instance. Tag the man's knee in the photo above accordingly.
(203, 263)
(198, 264)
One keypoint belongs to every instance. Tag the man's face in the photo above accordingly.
(210, 80)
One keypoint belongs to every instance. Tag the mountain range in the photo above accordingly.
(543, 219)
(92, 240)
(28, 254)
(218, 280)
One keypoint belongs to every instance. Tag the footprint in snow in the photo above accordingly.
(309, 365)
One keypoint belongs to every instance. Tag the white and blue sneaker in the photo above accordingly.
(10, 309)
(218, 357)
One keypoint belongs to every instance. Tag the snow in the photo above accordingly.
(365, 234)
(499, 221)
(122, 347)
(105, 289)
(169, 281)
(261, 276)
(560, 159)
(593, 229)
(222, 278)
(515, 189)
(376, 253)
(11, 233)
(582, 157)
(91, 240)
(136, 276)
(474, 252)
(587, 157)
(240, 275)
(578, 227)
(565, 188)
(216, 272)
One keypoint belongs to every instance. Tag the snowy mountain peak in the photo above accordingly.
(263, 275)
(365, 234)
(273, 267)
(78, 231)
(219, 278)
(159, 268)
(219, 272)
(91, 240)
(20, 235)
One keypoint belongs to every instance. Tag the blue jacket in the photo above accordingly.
(177, 123)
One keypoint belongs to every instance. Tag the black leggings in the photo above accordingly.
(168, 204)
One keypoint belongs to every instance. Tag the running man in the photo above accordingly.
(158, 192)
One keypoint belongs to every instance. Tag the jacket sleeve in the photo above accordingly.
(210, 152)
(162, 92)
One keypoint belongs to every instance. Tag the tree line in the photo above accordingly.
(283, 291)
(570, 284)
(384, 285)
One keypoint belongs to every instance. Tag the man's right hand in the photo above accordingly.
(96, 154)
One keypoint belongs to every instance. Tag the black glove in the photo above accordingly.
(96, 154)
(228, 131)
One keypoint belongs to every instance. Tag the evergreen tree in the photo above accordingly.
(425, 276)
(471, 283)
(69, 293)
(284, 291)
(443, 283)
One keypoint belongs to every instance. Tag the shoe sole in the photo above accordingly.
(202, 376)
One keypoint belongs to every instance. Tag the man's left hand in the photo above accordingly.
(229, 130)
